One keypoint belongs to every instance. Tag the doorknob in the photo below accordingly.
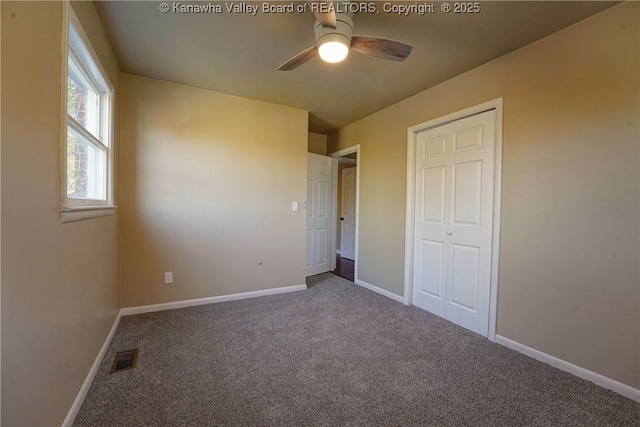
(449, 233)
(341, 219)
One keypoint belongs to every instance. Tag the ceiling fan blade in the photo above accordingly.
(299, 59)
(381, 48)
(324, 12)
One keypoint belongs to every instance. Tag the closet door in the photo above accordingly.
(453, 220)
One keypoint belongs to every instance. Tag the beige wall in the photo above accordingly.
(207, 185)
(569, 279)
(59, 281)
(317, 143)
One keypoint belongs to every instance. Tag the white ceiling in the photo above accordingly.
(239, 53)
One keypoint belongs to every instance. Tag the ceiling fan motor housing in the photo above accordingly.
(342, 33)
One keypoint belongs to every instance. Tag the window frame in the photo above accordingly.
(76, 44)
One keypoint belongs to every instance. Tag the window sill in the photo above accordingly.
(85, 212)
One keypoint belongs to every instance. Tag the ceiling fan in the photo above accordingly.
(334, 39)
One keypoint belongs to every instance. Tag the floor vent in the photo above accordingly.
(124, 360)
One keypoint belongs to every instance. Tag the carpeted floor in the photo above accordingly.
(335, 355)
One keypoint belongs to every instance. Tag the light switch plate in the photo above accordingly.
(294, 206)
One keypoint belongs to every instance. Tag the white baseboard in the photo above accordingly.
(601, 380)
(380, 291)
(128, 311)
(77, 403)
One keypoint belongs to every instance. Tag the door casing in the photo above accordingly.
(412, 132)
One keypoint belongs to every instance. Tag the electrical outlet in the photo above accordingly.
(168, 277)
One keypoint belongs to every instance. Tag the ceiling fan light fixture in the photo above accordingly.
(333, 51)
(333, 43)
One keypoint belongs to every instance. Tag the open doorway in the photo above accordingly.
(345, 212)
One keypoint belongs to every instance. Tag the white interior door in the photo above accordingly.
(318, 205)
(348, 214)
(454, 220)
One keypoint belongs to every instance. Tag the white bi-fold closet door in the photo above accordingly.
(454, 191)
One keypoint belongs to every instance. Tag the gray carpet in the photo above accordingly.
(334, 355)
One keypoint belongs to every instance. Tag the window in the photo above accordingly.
(87, 139)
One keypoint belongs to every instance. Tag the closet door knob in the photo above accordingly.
(449, 233)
